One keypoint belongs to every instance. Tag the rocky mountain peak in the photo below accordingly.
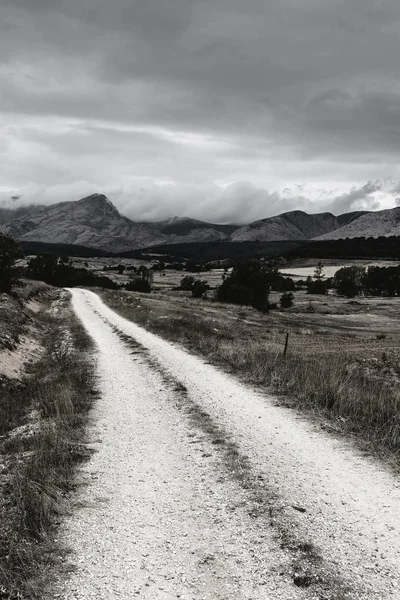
(98, 202)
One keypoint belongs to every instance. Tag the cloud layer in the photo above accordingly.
(208, 108)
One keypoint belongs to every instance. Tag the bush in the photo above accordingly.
(187, 283)
(382, 281)
(199, 288)
(10, 252)
(348, 281)
(284, 284)
(317, 285)
(249, 283)
(286, 300)
(138, 285)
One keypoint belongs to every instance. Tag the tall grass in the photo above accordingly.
(331, 385)
(40, 459)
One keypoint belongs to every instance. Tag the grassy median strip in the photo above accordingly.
(42, 439)
(322, 377)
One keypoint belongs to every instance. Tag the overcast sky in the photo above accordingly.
(225, 110)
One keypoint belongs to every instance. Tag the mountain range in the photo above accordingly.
(94, 222)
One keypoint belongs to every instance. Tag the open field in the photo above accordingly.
(170, 278)
(342, 364)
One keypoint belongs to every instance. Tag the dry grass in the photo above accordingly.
(15, 317)
(335, 372)
(49, 408)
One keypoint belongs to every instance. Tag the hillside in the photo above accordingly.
(381, 223)
(93, 222)
(294, 225)
(96, 224)
(180, 230)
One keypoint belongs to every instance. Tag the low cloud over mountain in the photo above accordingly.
(236, 203)
(94, 222)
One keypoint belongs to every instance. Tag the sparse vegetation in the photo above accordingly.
(42, 419)
(326, 372)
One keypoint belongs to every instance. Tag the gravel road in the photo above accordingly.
(202, 488)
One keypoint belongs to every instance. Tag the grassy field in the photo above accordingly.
(43, 409)
(168, 279)
(342, 364)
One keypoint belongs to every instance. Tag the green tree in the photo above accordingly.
(10, 253)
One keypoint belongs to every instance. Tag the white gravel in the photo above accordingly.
(160, 518)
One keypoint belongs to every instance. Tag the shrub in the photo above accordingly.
(10, 252)
(187, 283)
(382, 281)
(348, 281)
(317, 285)
(249, 283)
(286, 300)
(284, 284)
(138, 285)
(199, 288)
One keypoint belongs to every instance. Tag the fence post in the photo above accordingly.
(286, 344)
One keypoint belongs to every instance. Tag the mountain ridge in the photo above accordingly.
(95, 222)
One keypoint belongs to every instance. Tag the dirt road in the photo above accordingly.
(200, 487)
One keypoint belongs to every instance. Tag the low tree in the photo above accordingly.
(286, 300)
(249, 283)
(138, 285)
(348, 281)
(10, 253)
(141, 281)
(59, 271)
(316, 284)
(284, 284)
(199, 288)
(382, 281)
(146, 275)
(187, 283)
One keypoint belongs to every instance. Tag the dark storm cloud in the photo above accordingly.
(270, 93)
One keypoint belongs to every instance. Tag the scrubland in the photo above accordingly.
(44, 402)
(342, 364)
